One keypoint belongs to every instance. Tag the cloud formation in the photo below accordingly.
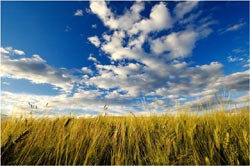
(159, 19)
(161, 70)
(11, 51)
(95, 41)
(183, 8)
(158, 68)
(179, 44)
(36, 70)
(147, 60)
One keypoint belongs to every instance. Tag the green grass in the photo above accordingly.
(208, 139)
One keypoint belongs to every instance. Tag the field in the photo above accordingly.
(208, 139)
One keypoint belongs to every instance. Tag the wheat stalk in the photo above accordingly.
(21, 136)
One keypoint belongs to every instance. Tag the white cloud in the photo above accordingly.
(130, 17)
(86, 70)
(160, 19)
(19, 52)
(78, 12)
(82, 103)
(188, 80)
(131, 21)
(238, 81)
(204, 102)
(191, 18)
(104, 13)
(137, 79)
(11, 51)
(156, 71)
(206, 92)
(91, 58)
(234, 59)
(247, 64)
(109, 19)
(18, 112)
(161, 73)
(242, 99)
(115, 47)
(36, 70)
(231, 28)
(183, 8)
(95, 41)
(4, 51)
(235, 27)
(179, 44)
(117, 95)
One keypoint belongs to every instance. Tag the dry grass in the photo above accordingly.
(210, 139)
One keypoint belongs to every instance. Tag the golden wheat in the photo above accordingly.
(208, 139)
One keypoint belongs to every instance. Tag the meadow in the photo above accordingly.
(217, 138)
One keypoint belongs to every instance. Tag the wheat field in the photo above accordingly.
(209, 139)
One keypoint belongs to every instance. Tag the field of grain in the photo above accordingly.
(207, 139)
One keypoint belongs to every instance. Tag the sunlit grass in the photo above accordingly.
(217, 138)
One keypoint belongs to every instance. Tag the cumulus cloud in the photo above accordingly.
(194, 79)
(95, 41)
(160, 70)
(178, 44)
(19, 52)
(238, 81)
(135, 79)
(131, 20)
(112, 21)
(159, 19)
(36, 70)
(11, 51)
(86, 70)
(141, 64)
(104, 13)
(92, 58)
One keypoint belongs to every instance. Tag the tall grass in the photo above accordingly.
(218, 138)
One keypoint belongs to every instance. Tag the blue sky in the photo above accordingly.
(133, 56)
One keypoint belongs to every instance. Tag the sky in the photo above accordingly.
(133, 56)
